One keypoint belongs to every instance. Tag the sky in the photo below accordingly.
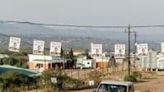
(84, 12)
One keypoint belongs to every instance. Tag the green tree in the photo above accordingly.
(9, 61)
(14, 61)
(71, 56)
(87, 54)
(62, 52)
(11, 80)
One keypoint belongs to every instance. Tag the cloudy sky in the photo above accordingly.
(84, 12)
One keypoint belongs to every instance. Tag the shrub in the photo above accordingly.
(14, 61)
(95, 75)
(137, 74)
(131, 78)
(12, 80)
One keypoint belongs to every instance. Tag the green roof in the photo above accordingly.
(27, 72)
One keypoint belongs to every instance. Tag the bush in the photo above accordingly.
(14, 61)
(131, 78)
(95, 75)
(137, 74)
(12, 80)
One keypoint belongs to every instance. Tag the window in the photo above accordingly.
(112, 88)
(39, 65)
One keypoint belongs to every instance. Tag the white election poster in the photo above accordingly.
(14, 44)
(142, 49)
(96, 49)
(38, 47)
(119, 50)
(162, 47)
(55, 48)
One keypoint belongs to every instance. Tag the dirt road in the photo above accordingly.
(151, 85)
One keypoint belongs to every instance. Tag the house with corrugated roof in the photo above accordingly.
(45, 62)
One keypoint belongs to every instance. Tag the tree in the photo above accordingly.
(62, 52)
(87, 54)
(71, 56)
(14, 61)
(11, 80)
(9, 61)
(70, 59)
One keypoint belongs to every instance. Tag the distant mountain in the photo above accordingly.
(74, 37)
(37, 30)
(4, 42)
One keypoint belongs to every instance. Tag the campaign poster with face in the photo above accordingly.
(14, 44)
(55, 48)
(142, 49)
(38, 47)
(96, 49)
(119, 50)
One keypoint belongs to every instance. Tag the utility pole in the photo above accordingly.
(135, 41)
(129, 50)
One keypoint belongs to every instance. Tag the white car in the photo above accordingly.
(115, 86)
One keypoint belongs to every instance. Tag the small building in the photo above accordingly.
(101, 62)
(84, 63)
(44, 62)
(150, 61)
(160, 61)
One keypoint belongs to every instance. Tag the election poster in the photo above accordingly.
(142, 49)
(14, 44)
(38, 47)
(119, 50)
(96, 49)
(55, 48)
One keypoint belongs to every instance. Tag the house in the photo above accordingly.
(84, 63)
(160, 61)
(44, 62)
(101, 62)
(150, 62)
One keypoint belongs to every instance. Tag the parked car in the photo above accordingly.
(115, 86)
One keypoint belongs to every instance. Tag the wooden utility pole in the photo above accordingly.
(129, 50)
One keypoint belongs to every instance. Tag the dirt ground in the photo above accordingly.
(149, 85)
(155, 84)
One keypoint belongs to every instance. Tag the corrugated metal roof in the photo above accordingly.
(28, 72)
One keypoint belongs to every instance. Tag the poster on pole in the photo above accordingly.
(55, 48)
(96, 49)
(38, 47)
(142, 49)
(162, 47)
(119, 50)
(14, 44)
